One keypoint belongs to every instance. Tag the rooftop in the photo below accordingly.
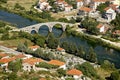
(74, 72)
(56, 62)
(86, 9)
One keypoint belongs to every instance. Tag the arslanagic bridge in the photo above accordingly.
(50, 25)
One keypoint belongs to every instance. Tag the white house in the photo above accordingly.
(58, 63)
(68, 8)
(110, 13)
(116, 2)
(77, 74)
(34, 47)
(29, 64)
(79, 3)
(102, 27)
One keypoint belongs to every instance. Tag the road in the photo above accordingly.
(9, 50)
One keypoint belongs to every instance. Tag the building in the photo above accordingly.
(76, 74)
(29, 64)
(102, 27)
(84, 11)
(4, 62)
(79, 3)
(68, 8)
(58, 63)
(34, 47)
(43, 5)
(116, 2)
(96, 3)
(109, 14)
(3, 55)
(61, 50)
(20, 56)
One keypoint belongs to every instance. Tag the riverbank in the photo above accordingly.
(94, 39)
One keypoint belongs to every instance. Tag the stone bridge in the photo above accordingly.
(50, 25)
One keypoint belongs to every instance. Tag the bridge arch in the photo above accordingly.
(34, 31)
(43, 29)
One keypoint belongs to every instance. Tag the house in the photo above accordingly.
(34, 47)
(116, 2)
(43, 5)
(58, 63)
(61, 50)
(68, 8)
(29, 64)
(79, 3)
(102, 27)
(96, 3)
(84, 11)
(116, 32)
(20, 56)
(4, 62)
(3, 55)
(76, 74)
(110, 13)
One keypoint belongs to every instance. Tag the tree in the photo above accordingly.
(115, 75)
(12, 76)
(102, 6)
(80, 52)
(91, 55)
(87, 69)
(5, 36)
(15, 66)
(21, 47)
(107, 65)
(61, 72)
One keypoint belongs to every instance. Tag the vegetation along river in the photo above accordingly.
(103, 53)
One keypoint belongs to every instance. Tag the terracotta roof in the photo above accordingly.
(3, 54)
(86, 9)
(116, 32)
(56, 62)
(79, 0)
(100, 0)
(42, 1)
(32, 61)
(20, 56)
(59, 1)
(6, 60)
(42, 79)
(60, 49)
(74, 72)
(33, 47)
(112, 7)
(99, 25)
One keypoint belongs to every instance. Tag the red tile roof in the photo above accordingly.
(33, 47)
(32, 61)
(74, 72)
(42, 79)
(60, 49)
(3, 54)
(86, 9)
(19, 56)
(99, 25)
(6, 60)
(79, 0)
(56, 62)
(116, 32)
(100, 0)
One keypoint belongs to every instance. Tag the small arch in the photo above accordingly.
(33, 32)
(43, 30)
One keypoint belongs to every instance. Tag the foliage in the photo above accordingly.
(102, 6)
(19, 7)
(61, 72)
(107, 65)
(91, 55)
(115, 75)
(21, 47)
(52, 42)
(90, 24)
(15, 66)
(3, 1)
(87, 69)
(46, 65)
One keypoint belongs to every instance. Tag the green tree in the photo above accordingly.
(91, 55)
(18, 7)
(80, 52)
(21, 47)
(87, 69)
(61, 72)
(115, 75)
(5, 36)
(15, 66)
(107, 65)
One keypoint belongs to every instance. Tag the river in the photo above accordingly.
(103, 53)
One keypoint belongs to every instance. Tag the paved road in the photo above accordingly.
(9, 50)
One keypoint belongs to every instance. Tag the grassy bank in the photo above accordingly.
(92, 39)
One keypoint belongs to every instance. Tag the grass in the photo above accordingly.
(15, 42)
(103, 73)
(27, 4)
